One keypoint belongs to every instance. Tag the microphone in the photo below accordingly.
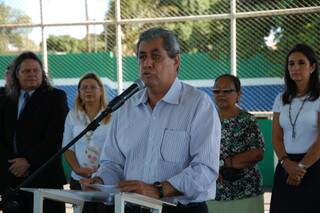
(130, 91)
(120, 99)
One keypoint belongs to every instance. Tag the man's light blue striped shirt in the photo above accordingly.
(178, 141)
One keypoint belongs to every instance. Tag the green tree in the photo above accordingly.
(214, 36)
(65, 43)
(97, 42)
(16, 37)
(187, 31)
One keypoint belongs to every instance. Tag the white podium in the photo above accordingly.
(77, 199)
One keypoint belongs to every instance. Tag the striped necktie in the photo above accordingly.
(26, 98)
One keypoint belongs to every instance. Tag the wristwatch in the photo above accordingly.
(159, 186)
(302, 166)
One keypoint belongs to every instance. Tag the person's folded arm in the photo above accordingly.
(244, 159)
(255, 148)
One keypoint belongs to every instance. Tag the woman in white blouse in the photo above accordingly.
(295, 135)
(83, 157)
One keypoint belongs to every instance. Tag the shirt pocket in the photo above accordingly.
(174, 146)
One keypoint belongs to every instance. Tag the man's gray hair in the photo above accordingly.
(170, 41)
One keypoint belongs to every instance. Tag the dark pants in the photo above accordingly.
(91, 207)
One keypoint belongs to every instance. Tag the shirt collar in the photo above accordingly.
(22, 92)
(171, 97)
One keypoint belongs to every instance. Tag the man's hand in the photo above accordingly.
(139, 187)
(85, 183)
(19, 167)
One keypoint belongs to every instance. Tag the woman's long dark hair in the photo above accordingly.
(290, 86)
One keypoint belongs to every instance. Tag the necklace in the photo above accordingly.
(293, 124)
(89, 134)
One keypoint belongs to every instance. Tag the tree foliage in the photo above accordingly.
(66, 43)
(214, 36)
(14, 37)
(187, 31)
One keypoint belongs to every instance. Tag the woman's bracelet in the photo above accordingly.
(302, 166)
(283, 158)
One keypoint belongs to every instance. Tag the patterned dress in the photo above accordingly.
(240, 134)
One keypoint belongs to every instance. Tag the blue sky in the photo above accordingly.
(62, 11)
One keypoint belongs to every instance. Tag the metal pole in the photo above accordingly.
(87, 26)
(105, 37)
(233, 37)
(119, 46)
(135, 21)
(44, 40)
(95, 38)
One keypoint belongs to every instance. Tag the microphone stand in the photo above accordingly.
(10, 200)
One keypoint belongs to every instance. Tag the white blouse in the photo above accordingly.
(88, 148)
(306, 129)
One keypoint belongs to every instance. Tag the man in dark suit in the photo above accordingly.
(3, 154)
(32, 123)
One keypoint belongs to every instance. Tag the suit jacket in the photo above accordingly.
(39, 132)
(3, 153)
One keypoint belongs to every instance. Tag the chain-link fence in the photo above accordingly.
(249, 38)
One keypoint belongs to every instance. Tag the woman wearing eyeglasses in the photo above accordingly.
(239, 186)
(83, 157)
(295, 135)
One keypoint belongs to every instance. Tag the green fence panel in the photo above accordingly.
(267, 165)
(66, 168)
(73, 65)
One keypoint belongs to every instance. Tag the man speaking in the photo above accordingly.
(164, 141)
